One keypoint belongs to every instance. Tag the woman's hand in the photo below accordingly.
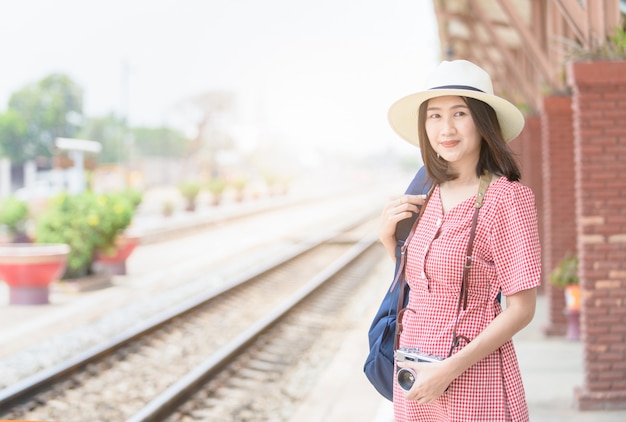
(431, 380)
(397, 210)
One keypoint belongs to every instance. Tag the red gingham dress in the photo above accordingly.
(506, 258)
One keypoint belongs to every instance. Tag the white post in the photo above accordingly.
(77, 148)
(77, 182)
(30, 174)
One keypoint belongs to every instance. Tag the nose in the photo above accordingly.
(448, 126)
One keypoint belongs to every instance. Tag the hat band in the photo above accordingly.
(471, 88)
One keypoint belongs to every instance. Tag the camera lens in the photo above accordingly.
(406, 378)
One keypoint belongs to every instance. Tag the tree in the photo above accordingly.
(109, 131)
(206, 108)
(160, 142)
(12, 132)
(52, 107)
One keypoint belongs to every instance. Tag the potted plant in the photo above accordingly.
(565, 276)
(134, 196)
(29, 268)
(167, 208)
(239, 185)
(216, 187)
(89, 223)
(116, 211)
(189, 191)
(13, 216)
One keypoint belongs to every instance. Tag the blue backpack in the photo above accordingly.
(379, 365)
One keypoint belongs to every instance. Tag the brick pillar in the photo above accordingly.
(599, 105)
(559, 229)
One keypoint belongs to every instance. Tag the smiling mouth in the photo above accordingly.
(449, 144)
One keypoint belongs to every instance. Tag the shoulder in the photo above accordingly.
(509, 201)
(504, 191)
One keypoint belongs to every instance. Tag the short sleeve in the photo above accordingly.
(515, 241)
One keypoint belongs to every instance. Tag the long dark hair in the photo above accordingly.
(495, 154)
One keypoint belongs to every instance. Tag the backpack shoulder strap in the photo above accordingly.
(420, 185)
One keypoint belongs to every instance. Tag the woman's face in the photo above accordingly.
(451, 131)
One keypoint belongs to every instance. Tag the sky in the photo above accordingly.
(320, 73)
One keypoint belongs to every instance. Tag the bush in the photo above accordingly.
(13, 214)
(134, 196)
(85, 222)
(189, 190)
(216, 187)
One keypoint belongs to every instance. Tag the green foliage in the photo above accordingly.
(160, 142)
(85, 222)
(12, 132)
(239, 184)
(189, 190)
(52, 107)
(167, 208)
(566, 272)
(217, 186)
(613, 48)
(134, 196)
(110, 132)
(619, 42)
(40, 112)
(13, 214)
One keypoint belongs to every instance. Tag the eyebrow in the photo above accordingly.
(453, 107)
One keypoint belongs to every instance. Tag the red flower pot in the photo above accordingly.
(29, 268)
(114, 263)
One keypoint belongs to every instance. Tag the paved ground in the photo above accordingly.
(551, 367)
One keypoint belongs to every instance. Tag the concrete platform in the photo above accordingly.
(551, 368)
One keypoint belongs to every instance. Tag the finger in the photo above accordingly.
(415, 199)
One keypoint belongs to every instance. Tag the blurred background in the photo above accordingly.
(194, 91)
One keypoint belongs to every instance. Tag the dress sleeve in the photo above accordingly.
(515, 241)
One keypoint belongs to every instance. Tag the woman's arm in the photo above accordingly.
(434, 378)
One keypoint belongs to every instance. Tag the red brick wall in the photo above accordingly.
(599, 105)
(559, 229)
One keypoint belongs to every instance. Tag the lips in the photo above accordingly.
(449, 144)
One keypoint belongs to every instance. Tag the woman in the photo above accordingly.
(462, 130)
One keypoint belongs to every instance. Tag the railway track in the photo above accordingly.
(223, 346)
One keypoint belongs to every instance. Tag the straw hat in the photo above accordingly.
(459, 78)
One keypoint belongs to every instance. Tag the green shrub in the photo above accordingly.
(217, 186)
(13, 214)
(85, 222)
(189, 190)
(134, 196)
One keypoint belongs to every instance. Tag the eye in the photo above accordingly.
(434, 116)
(460, 114)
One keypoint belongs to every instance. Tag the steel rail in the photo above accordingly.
(46, 378)
(167, 402)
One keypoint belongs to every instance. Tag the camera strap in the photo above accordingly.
(485, 180)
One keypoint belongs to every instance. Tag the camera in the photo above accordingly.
(406, 376)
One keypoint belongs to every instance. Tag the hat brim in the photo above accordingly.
(403, 113)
